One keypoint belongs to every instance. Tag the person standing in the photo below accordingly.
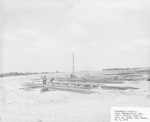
(44, 79)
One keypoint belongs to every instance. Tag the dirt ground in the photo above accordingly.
(18, 105)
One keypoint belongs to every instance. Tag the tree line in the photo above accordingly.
(20, 73)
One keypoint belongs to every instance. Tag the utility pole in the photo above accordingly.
(149, 74)
(86, 69)
(73, 74)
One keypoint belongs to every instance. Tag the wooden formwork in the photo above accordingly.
(64, 86)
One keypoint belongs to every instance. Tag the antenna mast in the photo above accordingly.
(73, 65)
(86, 69)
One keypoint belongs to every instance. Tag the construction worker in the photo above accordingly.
(44, 79)
(52, 79)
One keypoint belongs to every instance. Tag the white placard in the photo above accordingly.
(130, 114)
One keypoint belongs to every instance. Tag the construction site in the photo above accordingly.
(86, 82)
(72, 97)
(74, 60)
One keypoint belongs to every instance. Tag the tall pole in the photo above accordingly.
(149, 74)
(73, 64)
(86, 69)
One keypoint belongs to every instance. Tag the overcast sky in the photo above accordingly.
(41, 35)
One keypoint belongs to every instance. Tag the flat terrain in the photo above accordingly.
(18, 105)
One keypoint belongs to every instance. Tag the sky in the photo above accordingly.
(41, 35)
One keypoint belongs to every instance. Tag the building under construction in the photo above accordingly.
(80, 84)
